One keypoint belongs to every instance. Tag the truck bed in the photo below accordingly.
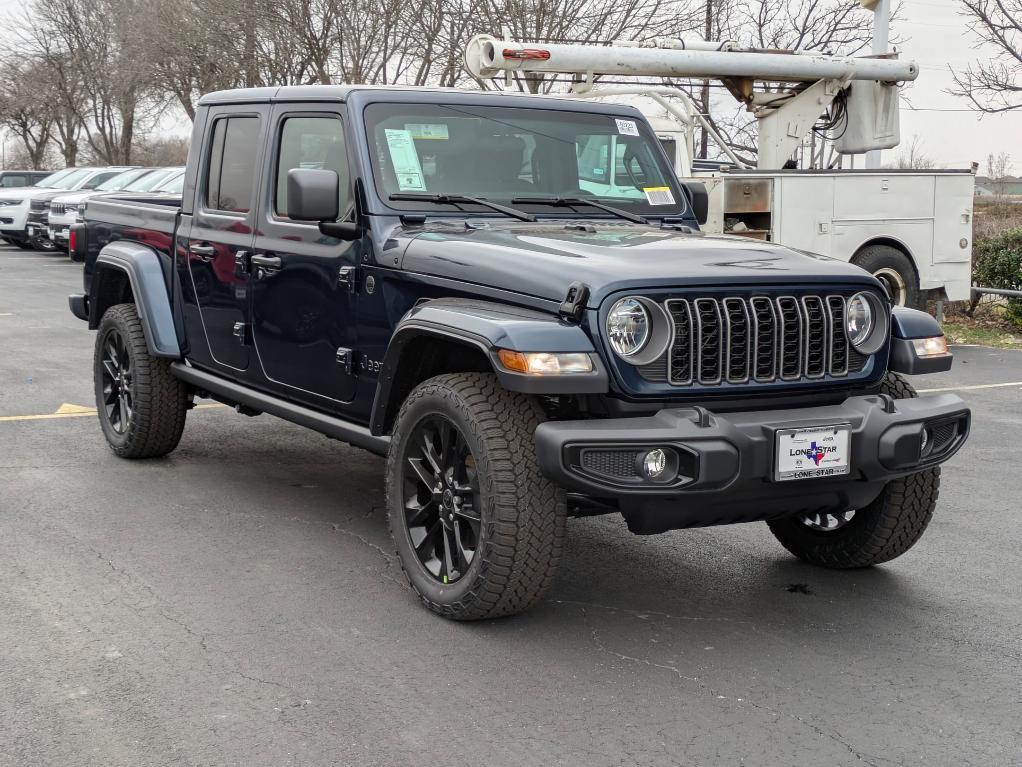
(156, 213)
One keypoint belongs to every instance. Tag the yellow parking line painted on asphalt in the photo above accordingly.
(970, 388)
(68, 410)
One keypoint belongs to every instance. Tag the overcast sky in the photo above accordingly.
(934, 36)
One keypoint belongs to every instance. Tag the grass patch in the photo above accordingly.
(962, 330)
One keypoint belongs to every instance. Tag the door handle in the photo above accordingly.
(203, 250)
(264, 265)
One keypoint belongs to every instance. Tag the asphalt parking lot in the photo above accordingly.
(239, 603)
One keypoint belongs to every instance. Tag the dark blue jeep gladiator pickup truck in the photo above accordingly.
(509, 298)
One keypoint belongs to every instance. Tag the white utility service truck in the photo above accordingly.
(910, 228)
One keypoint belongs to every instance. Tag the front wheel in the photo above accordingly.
(879, 532)
(478, 529)
(141, 405)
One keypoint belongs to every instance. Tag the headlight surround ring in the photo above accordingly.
(866, 322)
(657, 329)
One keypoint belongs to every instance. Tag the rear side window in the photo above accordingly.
(232, 164)
(12, 181)
(311, 142)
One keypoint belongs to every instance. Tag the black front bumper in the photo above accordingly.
(725, 463)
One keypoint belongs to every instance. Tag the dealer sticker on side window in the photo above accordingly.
(659, 195)
(627, 127)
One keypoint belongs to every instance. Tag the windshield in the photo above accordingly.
(510, 153)
(151, 181)
(53, 180)
(121, 180)
(173, 185)
(73, 179)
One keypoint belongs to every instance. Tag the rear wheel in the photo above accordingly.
(879, 532)
(141, 405)
(478, 529)
(43, 244)
(894, 269)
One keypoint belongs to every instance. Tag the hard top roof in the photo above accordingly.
(291, 93)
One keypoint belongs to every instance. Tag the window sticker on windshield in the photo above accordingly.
(405, 160)
(627, 127)
(428, 131)
(659, 195)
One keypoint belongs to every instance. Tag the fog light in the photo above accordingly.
(924, 440)
(654, 463)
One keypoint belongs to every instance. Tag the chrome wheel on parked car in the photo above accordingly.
(826, 522)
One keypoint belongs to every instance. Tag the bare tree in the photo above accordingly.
(998, 168)
(995, 84)
(915, 158)
(103, 53)
(22, 112)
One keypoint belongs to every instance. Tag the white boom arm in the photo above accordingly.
(785, 117)
(486, 56)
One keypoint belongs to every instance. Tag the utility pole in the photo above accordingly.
(881, 35)
(708, 32)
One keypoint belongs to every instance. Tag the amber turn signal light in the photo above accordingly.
(545, 363)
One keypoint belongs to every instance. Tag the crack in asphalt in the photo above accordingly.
(872, 760)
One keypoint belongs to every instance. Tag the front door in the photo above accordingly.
(221, 231)
(303, 282)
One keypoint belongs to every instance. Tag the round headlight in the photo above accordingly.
(859, 319)
(628, 326)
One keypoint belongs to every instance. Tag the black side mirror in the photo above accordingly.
(312, 195)
(700, 200)
(342, 230)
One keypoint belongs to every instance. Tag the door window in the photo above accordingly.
(232, 164)
(315, 142)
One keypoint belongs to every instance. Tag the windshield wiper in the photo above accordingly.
(571, 202)
(455, 199)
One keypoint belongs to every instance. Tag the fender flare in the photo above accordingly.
(907, 325)
(149, 288)
(487, 326)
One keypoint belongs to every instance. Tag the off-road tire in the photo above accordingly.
(880, 532)
(522, 513)
(159, 400)
(881, 260)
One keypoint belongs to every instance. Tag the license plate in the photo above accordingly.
(820, 451)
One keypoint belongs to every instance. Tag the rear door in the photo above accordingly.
(221, 231)
(303, 282)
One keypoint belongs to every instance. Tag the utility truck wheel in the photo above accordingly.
(141, 405)
(46, 246)
(880, 532)
(894, 269)
(478, 529)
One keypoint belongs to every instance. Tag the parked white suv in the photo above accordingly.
(37, 228)
(14, 205)
(64, 209)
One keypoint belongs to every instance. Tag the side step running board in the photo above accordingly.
(359, 436)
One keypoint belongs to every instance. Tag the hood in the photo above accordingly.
(74, 197)
(22, 192)
(542, 259)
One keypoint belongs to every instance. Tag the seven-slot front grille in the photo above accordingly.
(57, 209)
(760, 339)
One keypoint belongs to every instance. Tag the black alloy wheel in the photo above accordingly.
(441, 499)
(117, 382)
